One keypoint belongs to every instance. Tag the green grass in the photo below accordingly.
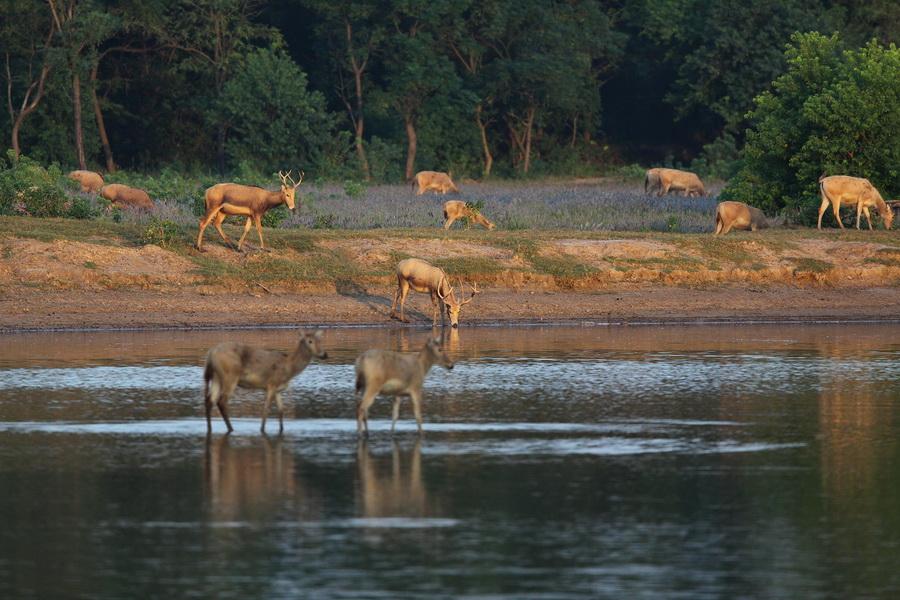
(88, 264)
(469, 265)
(812, 265)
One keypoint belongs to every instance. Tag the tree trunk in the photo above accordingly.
(220, 148)
(17, 150)
(529, 124)
(410, 147)
(101, 123)
(360, 124)
(76, 108)
(486, 149)
(574, 131)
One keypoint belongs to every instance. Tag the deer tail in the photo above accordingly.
(360, 382)
(207, 377)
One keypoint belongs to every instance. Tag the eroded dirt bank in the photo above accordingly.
(345, 278)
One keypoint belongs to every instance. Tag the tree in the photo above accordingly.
(25, 36)
(277, 123)
(833, 112)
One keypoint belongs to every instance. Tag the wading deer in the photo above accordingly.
(89, 180)
(227, 199)
(422, 277)
(395, 374)
(663, 181)
(841, 189)
(433, 180)
(737, 215)
(231, 364)
(123, 195)
(457, 209)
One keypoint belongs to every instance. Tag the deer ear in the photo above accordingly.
(318, 334)
(436, 341)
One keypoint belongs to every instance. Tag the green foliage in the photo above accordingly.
(833, 112)
(276, 122)
(354, 189)
(27, 188)
(160, 232)
(275, 216)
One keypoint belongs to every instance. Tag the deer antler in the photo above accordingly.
(475, 290)
(299, 181)
(440, 295)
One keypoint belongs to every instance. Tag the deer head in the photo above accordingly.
(435, 348)
(452, 304)
(289, 188)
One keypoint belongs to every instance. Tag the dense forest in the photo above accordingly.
(379, 89)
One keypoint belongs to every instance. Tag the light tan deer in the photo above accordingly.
(231, 364)
(227, 199)
(422, 277)
(395, 374)
(457, 209)
(664, 181)
(122, 195)
(433, 180)
(89, 180)
(842, 189)
(737, 215)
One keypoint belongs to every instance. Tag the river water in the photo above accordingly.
(622, 462)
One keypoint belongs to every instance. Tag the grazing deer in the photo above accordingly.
(231, 364)
(457, 209)
(737, 215)
(395, 374)
(226, 199)
(433, 180)
(664, 181)
(126, 196)
(841, 189)
(89, 180)
(416, 274)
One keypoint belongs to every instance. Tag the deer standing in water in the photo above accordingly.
(422, 277)
(227, 199)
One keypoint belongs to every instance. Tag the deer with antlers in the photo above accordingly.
(227, 199)
(423, 277)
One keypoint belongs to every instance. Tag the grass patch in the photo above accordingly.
(561, 267)
(886, 261)
(89, 264)
(468, 265)
(812, 265)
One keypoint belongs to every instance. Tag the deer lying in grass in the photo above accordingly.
(89, 180)
(664, 181)
(416, 274)
(433, 180)
(737, 215)
(841, 189)
(227, 199)
(231, 364)
(395, 374)
(123, 195)
(457, 209)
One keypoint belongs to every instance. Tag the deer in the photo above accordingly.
(842, 189)
(433, 180)
(232, 364)
(664, 181)
(456, 209)
(423, 277)
(395, 374)
(89, 181)
(737, 215)
(123, 195)
(227, 199)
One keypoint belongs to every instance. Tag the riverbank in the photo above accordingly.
(63, 274)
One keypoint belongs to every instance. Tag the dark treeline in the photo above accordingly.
(381, 89)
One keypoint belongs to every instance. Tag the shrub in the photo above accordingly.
(27, 188)
(275, 216)
(354, 189)
(160, 232)
(833, 111)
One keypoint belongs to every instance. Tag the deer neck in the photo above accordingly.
(300, 357)
(273, 199)
(426, 361)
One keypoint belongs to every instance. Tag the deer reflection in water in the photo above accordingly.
(391, 488)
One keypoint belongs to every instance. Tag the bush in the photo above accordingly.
(354, 189)
(834, 112)
(160, 232)
(27, 188)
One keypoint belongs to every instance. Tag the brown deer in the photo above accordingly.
(664, 181)
(231, 364)
(457, 209)
(433, 180)
(89, 180)
(842, 189)
(395, 374)
(227, 199)
(123, 195)
(422, 277)
(737, 215)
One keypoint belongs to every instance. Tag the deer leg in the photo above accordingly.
(822, 208)
(244, 235)
(404, 292)
(727, 228)
(396, 299)
(362, 412)
(435, 308)
(217, 223)
(268, 403)
(279, 402)
(223, 409)
(416, 398)
(859, 209)
(258, 222)
(837, 213)
(204, 223)
(395, 413)
(868, 217)
(449, 222)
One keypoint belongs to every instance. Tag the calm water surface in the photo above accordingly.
(628, 462)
